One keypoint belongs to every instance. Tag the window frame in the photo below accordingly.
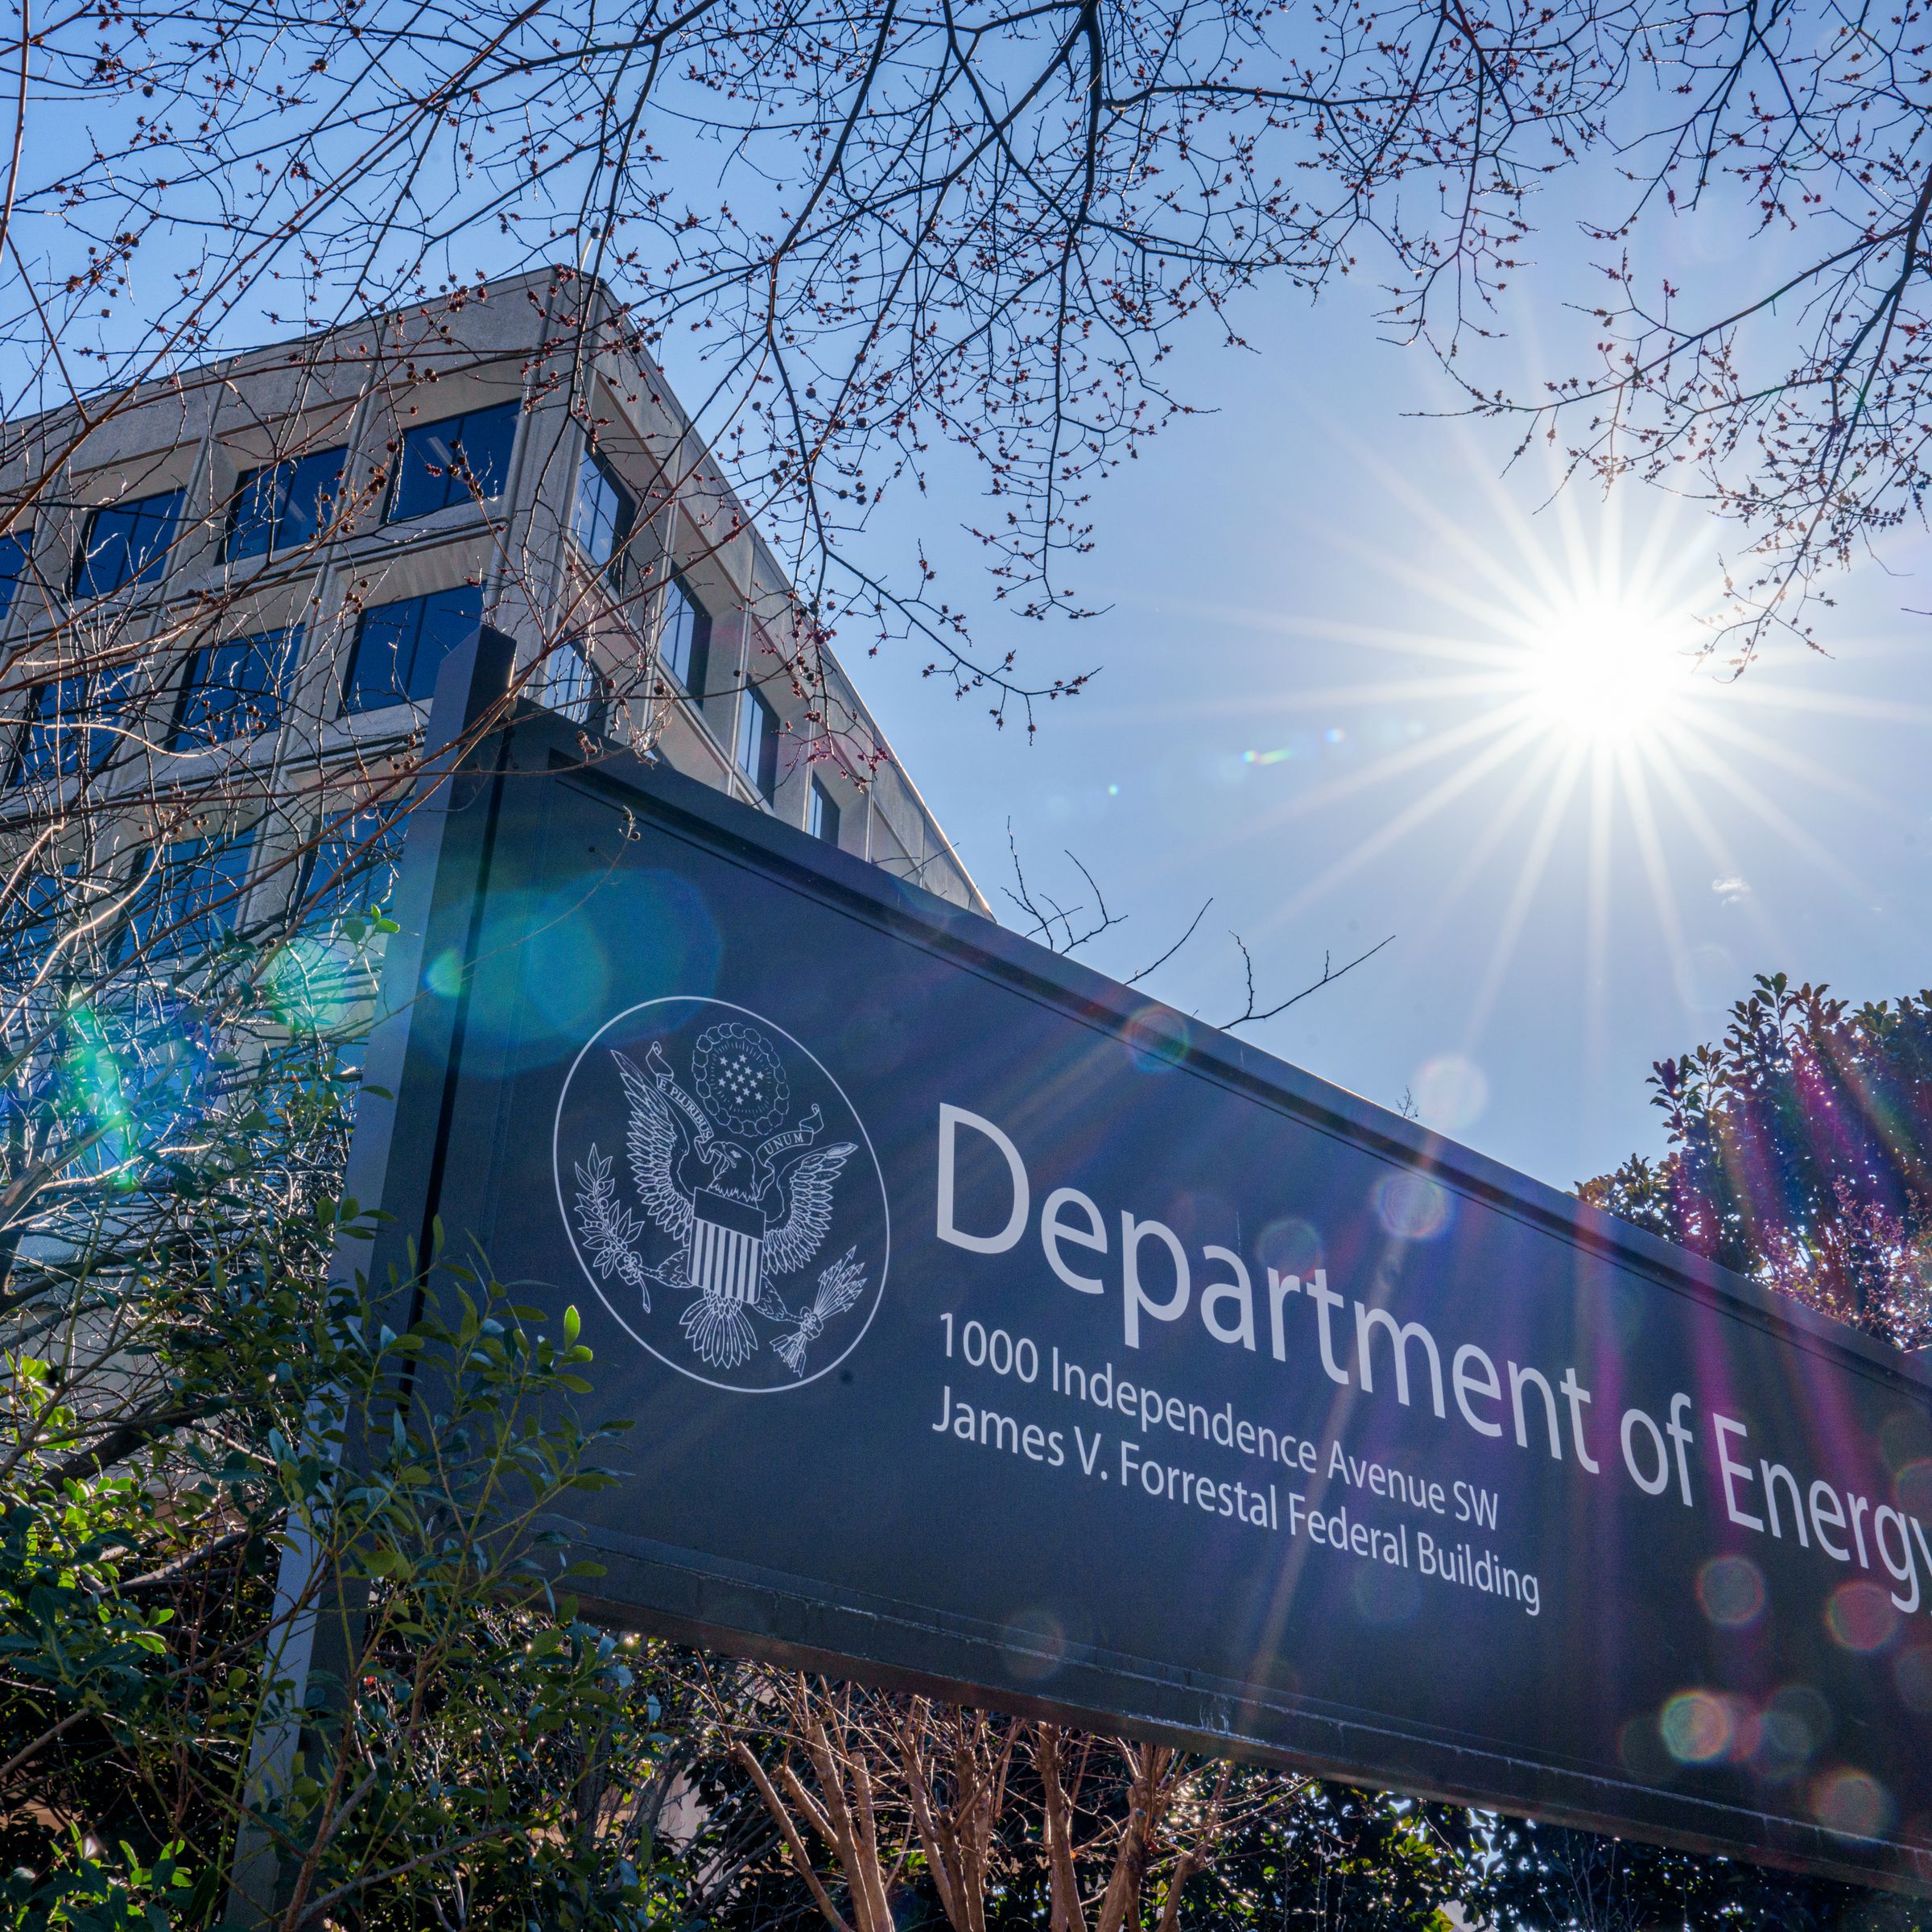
(822, 816)
(21, 540)
(23, 951)
(162, 896)
(286, 644)
(324, 896)
(594, 464)
(392, 511)
(590, 688)
(753, 705)
(98, 693)
(285, 471)
(697, 663)
(350, 708)
(154, 567)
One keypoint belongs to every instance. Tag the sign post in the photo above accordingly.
(989, 1330)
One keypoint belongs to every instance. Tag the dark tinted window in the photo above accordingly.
(822, 815)
(758, 742)
(285, 505)
(684, 637)
(15, 549)
(127, 544)
(70, 726)
(189, 902)
(235, 690)
(572, 686)
(399, 648)
(355, 863)
(602, 519)
(46, 912)
(52, 739)
(454, 461)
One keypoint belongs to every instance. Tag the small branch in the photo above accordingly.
(1251, 1015)
(184, 1566)
(1135, 978)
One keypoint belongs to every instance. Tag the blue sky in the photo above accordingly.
(1328, 699)
(1354, 683)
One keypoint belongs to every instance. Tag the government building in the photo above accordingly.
(224, 597)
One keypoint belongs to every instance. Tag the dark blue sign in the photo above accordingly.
(989, 1329)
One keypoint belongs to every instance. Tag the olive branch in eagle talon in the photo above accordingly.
(742, 1217)
(610, 1229)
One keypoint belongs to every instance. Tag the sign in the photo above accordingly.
(989, 1329)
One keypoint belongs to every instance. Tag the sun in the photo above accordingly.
(1606, 671)
(1567, 699)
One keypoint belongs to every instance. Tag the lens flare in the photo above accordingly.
(1157, 1040)
(1696, 1727)
(1861, 1618)
(1913, 1486)
(1606, 670)
(1412, 1208)
(1852, 1803)
(1451, 1092)
(1911, 1672)
(1290, 1246)
(1731, 1592)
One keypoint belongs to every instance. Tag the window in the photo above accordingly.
(235, 690)
(401, 646)
(127, 544)
(604, 512)
(285, 505)
(822, 815)
(57, 713)
(188, 903)
(684, 637)
(758, 742)
(47, 911)
(355, 863)
(454, 461)
(69, 726)
(571, 686)
(16, 550)
(325, 988)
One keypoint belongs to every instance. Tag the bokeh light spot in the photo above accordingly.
(1036, 1645)
(1157, 1039)
(1913, 1486)
(1451, 1092)
(1911, 1672)
(1861, 1616)
(1791, 1727)
(1731, 1591)
(1852, 1803)
(444, 974)
(1411, 1207)
(1696, 1727)
(1290, 1246)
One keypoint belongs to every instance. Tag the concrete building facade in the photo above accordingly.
(240, 581)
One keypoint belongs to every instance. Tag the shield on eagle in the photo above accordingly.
(727, 1237)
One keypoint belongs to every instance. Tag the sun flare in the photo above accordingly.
(1562, 725)
(1606, 672)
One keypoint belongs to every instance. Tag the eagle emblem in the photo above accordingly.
(740, 1192)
